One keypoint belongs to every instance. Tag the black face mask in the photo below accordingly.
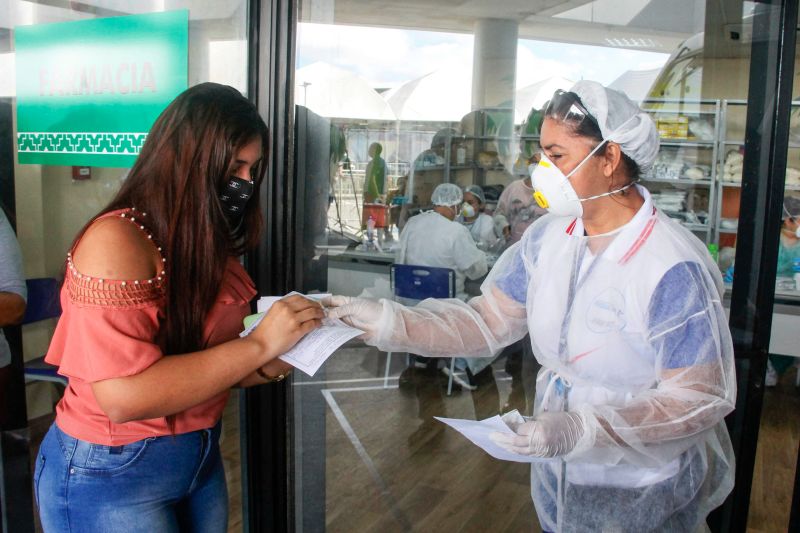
(234, 198)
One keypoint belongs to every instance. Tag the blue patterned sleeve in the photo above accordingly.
(514, 280)
(681, 320)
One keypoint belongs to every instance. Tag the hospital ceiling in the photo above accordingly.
(655, 25)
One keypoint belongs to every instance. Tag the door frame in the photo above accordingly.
(276, 268)
(265, 411)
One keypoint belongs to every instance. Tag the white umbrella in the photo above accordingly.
(442, 95)
(337, 93)
(535, 96)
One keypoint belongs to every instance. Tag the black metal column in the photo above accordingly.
(766, 144)
(265, 410)
(16, 502)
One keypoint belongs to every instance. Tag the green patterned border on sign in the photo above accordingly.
(81, 143)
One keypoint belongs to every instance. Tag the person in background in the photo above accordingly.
(375, 175)
(481, 226)
(13, 295)
(435, 239)
(789, 244)
(153, 301)
(788, 252)
(624, 309)
(435, 155)
(423, 173)
(516, 209)
(396, 198)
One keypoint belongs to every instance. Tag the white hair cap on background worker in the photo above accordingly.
(477, 191)
(447, 195)
(615, 114)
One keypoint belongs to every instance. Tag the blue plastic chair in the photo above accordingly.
(43, 304)
(417, 282)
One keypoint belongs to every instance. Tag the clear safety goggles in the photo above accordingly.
(566, 106)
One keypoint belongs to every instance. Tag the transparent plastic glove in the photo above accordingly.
(513, 419)
(547, 435)
(361, 313)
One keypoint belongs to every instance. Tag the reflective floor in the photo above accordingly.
(390, 467)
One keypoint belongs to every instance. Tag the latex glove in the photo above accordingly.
(361, 313)
(547, 435)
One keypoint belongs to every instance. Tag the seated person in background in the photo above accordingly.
(481, 226)
(516, 209)
(435, 239)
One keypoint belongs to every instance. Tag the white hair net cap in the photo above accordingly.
(621, 121)
(477, 191)
(447, 194)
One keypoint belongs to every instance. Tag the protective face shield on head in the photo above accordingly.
(565, 106)
(234, 198)
(467, 211)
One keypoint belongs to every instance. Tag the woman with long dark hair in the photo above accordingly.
(153, 301)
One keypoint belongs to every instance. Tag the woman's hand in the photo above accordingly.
(287, 321)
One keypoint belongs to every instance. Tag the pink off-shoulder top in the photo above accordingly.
(109, 329)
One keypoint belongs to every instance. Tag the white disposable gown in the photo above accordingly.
(631, 334)
(482, 230)
(429, 239)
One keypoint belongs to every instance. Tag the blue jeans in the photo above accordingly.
(159, 484)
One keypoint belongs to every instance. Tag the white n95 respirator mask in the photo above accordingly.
(554, 192)
(467, 211)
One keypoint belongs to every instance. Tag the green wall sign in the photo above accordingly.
(89, 91)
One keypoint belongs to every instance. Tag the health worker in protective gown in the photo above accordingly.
(624, 310)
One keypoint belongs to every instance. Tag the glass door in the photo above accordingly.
(774, 477)
(452, 95)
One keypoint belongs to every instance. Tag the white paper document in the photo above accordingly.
(316, 347)
(478, 432)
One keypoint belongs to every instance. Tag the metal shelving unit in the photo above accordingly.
(725, 141)
(709, 110)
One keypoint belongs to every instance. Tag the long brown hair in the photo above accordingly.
(183, 166)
